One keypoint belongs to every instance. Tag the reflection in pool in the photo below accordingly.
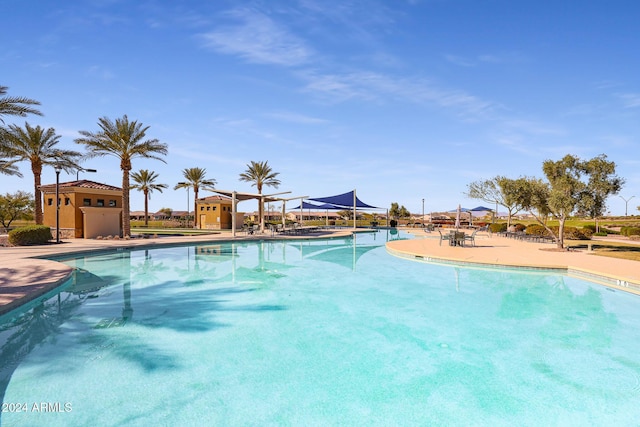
(319, 332)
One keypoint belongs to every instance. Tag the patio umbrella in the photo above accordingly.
(458, 217)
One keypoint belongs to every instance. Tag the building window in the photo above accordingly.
(86, 202)
(201, 208)
(67, 201)
(112, 203)
(101, 202)
(50, 201)
(214, 208)
(208, 208)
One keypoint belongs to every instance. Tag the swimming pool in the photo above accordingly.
(334, 332)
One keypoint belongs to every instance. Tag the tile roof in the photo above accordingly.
(215, 199)
(83, 183)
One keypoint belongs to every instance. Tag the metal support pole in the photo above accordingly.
(57, 203)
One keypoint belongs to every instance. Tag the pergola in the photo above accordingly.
(237, 197)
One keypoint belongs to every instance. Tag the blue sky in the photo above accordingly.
(402, 100)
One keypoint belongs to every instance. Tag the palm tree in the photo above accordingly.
(16, 105)
(8, 168)
(195, 178)
(12, 106)
(260, 173)
(37, 145)
(144, 181)
(125, 140)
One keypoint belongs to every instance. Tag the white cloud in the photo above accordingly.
(370, 86)
(258, 39)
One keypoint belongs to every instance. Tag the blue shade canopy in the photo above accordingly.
(343, 201)
(324, 206)
(481, 209)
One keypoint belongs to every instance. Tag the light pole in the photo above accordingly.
(626, 203)
(58, 169)
(84, 170)
(422, 213)
(186, 184)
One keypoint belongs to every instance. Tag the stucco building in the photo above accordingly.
(87, 209)
(214, 212)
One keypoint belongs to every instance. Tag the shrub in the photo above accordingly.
(30, 235)
(536, 230)
(591, 227)
(573, 233)
(600, 234)
(633, 231)
(171, 224)
(498, 227)
(519, 227)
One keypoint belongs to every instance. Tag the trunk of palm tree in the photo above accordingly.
(146, 208)
(195, 205)
(37, 180)
(126, 220)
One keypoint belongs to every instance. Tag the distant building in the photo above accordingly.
(87, 209)
(214, 212)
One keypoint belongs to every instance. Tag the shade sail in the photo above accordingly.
(481, 209)
(324, 206)
(343, 201)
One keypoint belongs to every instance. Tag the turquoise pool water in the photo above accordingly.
(318, 333)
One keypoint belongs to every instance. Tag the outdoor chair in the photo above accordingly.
(471, 237)
(443, 236)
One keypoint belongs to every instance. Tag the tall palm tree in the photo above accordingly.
(125, 140)
(38, 146)
(260, 173)
(7, 167)
(12, 106)
(16, 105)
(195, 178)
(145, 182)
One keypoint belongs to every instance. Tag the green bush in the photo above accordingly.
(536, 230)
(573, 233)
(498, 227)
(519, 227)
(632, 231)
(30, 235)
(591, 227)
(600, 234)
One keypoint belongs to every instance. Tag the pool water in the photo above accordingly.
(334, 332)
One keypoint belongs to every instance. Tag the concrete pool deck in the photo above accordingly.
(501, 251)
(25, 277)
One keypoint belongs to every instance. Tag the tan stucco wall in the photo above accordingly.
(71, 216)
(101, 222)
(217, 217)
